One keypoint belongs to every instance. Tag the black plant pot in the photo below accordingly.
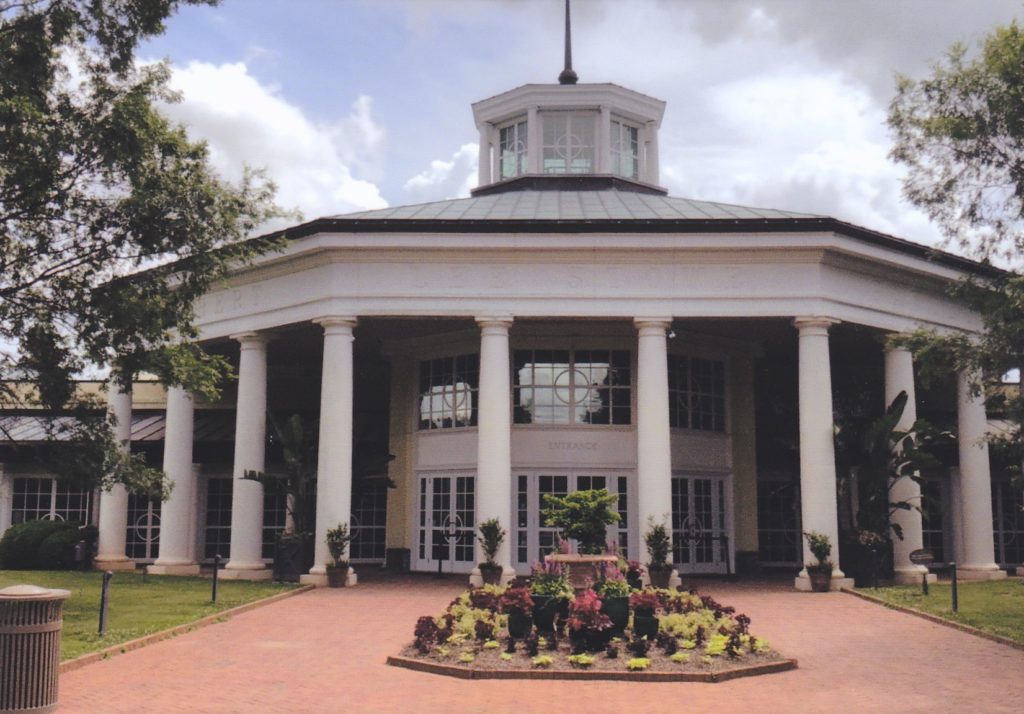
(293, 557)
(659, 577)
(617, 610)
(519, 625)
(645, 626)
(590, 640)
(545, 608)
(490, 574)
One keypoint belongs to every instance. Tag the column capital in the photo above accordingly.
(337, 324)
(814, 324)
(652, 323)
(503, 322)
(251, 339)
(896, 349)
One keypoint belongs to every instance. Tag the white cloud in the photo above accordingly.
(319, 168)
(446, 179)
(800, 141)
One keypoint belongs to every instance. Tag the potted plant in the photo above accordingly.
(820, 572)
(295, 440)
(492, 535)
(518, 605)
(337, 543)
(551, 592)
(588, 625)
(644, 604)
(658, 544)
(634, 574)
(614, 592)
(583, 516)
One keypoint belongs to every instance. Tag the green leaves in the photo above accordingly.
(960, 133)
(112, 222)
(583, 516)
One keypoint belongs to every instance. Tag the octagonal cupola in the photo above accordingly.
(561, 134)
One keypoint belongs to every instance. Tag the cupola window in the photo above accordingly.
(512, 148)
(625, 150)
(569, 144)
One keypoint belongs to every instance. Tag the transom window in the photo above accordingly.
(696, 389)
(49, 499)
(625, 150)
(512, 147)
(568, 142)
(448, 392)
(572, 387)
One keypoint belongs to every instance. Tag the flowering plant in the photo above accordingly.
(614, 583)
(548, 579)
(644, 602)
(585, 613)
(517, 600)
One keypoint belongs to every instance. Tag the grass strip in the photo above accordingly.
(993, 606)
(139, 605)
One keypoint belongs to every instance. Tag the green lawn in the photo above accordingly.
(995, 606)
(138, 606)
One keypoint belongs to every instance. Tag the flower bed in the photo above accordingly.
(690, 636)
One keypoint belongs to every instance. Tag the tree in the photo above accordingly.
(112, 222)
(960, 133)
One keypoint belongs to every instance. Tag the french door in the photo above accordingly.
(700, 535)
(533, 539)
(445, 522)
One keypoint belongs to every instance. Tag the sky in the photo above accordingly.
(360, 104)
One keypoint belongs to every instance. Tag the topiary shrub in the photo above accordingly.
(39, 545)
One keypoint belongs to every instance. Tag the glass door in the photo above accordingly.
(699, 534)
(445, 523)
(533, 539)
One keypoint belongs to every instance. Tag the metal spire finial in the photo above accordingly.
(568, 76)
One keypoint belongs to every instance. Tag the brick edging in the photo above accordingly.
(139, 642)
(937, 620)
(450, 670)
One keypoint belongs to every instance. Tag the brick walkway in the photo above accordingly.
(324, 652)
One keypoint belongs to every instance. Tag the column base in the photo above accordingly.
(115, 564)
(252, 572)
(1020, 570)
(803, 583)
(477, 581)
(912, 575)
(983, 572)
(159, 568)
(320, 579)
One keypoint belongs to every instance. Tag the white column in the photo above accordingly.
(533, 150)
(484, 164)
(494, 438)
(246, 562)
(652, 171)
(604, 141)
(6, 499)
(817, 450)
(653, 435)
(334, 462)
(176, 532)
(113, 524)
(899, 377)
(976, 559)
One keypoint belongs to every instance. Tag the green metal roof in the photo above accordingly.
(572, 206)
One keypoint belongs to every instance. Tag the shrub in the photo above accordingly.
(492, 535)
(658, 545)
(583, 515)
(41, 545)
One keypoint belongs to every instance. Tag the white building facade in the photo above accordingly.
(569, 326)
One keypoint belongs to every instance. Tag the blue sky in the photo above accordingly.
(353, 104)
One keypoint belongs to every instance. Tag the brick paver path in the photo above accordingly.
(324, 652)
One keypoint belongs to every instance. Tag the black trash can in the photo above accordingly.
(30, 627)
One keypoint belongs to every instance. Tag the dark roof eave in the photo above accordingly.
(633, 225)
